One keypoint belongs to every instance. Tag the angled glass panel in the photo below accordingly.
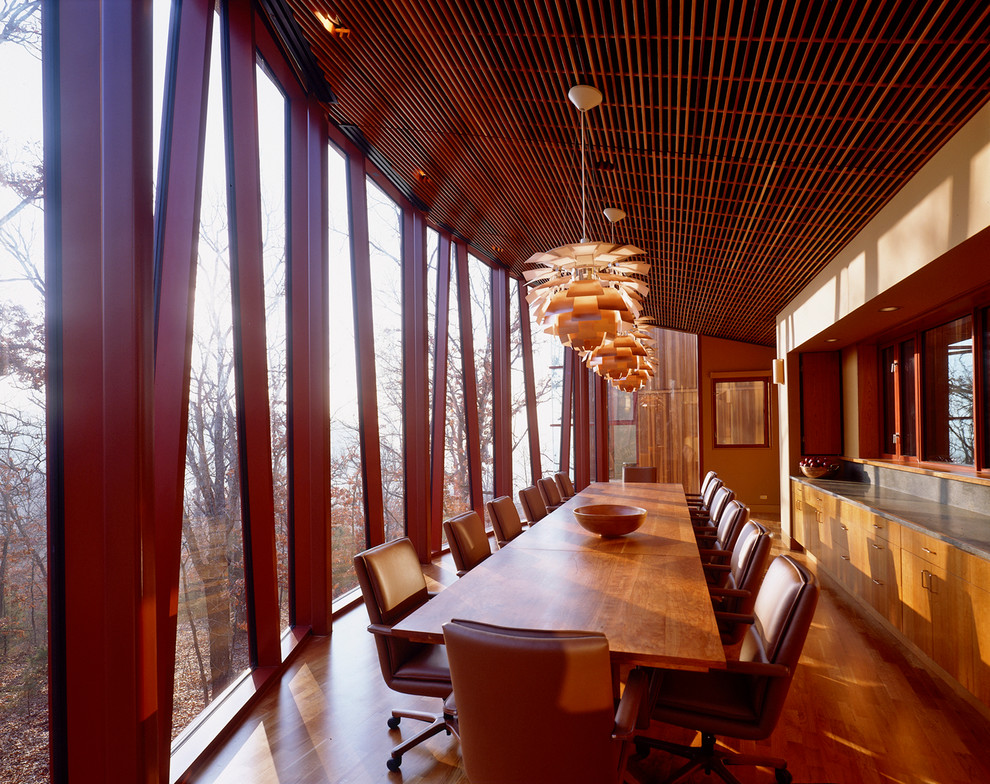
(480, 278)
(548, 371)
(456, 486)
(24, 752)
(346, 485)
(271, 144)
(385, 236)
(212, 640)
(521, 473)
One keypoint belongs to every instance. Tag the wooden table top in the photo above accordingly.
(646, 591)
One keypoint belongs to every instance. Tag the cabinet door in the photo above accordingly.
(981, 644)
(954, 623)
(881, 578)
(916, 600)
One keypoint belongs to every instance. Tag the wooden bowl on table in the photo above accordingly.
(610, 520)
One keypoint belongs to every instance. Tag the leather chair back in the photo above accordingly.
(747, 567)
(730, 524)
(549, 492)
(505, 519)
(709, 477)
(639, 474)
(709, 493)
(532, 504)
(532, 705)
(468, 541)
(722, 497)
(565, 485)
(392, 585)
(784, 609)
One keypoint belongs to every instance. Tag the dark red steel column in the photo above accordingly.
(437, 438)
(415, 393)
(364, 334)
(99, 260)
(250, 345)
(472, 426)
(529, 380)
(501, 386)
(177, 217)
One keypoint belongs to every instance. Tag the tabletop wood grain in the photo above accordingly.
(646, 591)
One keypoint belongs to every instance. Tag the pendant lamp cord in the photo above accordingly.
(584, 227)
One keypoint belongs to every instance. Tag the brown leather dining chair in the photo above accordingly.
(639, 473)
(549, 492)
(735, 594)
(707, 496)
(468, 541)
(393, 585)
(715, 545)
(532, 504)
(552, 718)
(505, 519)
(694, 499)
(746, 699)
(564, 484)
(713, 513)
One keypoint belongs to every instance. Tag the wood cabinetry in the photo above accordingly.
(934, 594)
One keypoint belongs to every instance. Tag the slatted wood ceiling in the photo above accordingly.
(748, 141)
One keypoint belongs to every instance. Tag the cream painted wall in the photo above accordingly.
(946, 203)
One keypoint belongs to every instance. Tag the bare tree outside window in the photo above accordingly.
(23, 520)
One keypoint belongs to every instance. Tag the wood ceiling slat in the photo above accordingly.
(747, 146)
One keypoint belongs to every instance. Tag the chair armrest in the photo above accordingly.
(735, 593)
(714, 553)
(633, 696)
(766, 669)
(705, 530)
(380, 629)
(731, 617)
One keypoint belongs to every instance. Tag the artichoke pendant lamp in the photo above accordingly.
(579, 291)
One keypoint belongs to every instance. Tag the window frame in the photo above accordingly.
(725, 378)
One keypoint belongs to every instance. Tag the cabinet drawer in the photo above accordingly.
(935, 551)
(882, 528)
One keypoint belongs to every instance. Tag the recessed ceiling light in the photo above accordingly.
(831, 340)
(890, 308)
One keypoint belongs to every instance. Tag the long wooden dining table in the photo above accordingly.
(646, 591)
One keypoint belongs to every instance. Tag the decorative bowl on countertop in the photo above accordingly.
(818, 467)
(610, 520)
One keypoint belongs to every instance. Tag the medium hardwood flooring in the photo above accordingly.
(860, 710)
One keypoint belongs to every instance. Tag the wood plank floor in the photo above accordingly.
(860, 710)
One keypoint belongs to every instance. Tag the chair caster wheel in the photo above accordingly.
(394, 763)
(783, 776)
(394, 723)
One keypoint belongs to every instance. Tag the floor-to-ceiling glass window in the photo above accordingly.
(457, 485)
(346, 486)
(212, 641)
(385, 236)
(271, 145)
(23, 521)
(521, 473)
(432, 264)
(480, 279)
(548, 366)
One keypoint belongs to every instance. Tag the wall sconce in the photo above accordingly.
(778, 371)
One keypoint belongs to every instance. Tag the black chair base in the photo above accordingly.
(437, 723)
(715, 760)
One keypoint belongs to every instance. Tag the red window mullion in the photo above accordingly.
(250, 344)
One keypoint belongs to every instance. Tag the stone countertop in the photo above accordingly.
(956, 526)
